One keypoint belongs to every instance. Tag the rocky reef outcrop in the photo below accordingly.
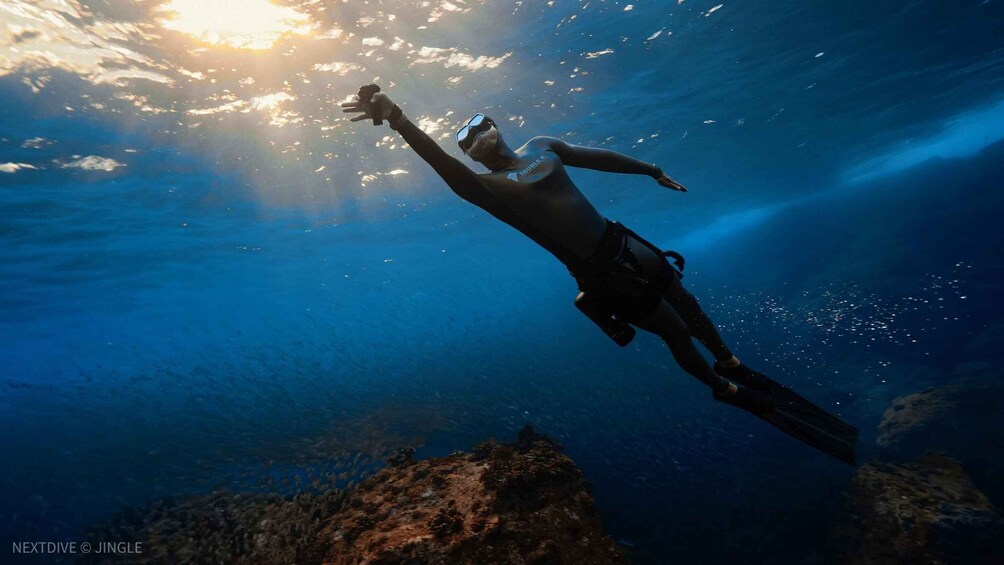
(222, 527)
(932, 494)
(953, 417)
(924, 512)
(523, 502)
(961, 419)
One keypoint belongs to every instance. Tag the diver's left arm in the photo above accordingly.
(606, 160)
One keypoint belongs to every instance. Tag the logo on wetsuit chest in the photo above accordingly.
(514, 176)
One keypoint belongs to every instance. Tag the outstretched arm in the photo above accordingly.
(606, 160)
(458, 176)
(462, 180)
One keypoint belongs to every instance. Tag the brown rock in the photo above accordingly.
(926, 512)
(913, 410)
(960, 419)
(524, 502)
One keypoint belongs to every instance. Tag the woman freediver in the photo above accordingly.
(625, 280)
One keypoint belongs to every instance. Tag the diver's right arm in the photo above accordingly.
(460, 179)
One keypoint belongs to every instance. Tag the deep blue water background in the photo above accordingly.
(219, 309)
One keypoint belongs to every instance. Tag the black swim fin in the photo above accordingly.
(781, 407)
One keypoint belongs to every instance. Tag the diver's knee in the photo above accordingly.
(688, 307)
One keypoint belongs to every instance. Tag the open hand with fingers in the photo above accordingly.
(380, 105)
(664, 180)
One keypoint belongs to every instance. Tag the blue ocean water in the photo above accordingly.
(210, 277)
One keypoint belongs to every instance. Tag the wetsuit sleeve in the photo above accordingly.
(473, 189)
(599, 159)
(460, 179)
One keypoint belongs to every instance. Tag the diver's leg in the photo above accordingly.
(667, 324)
(701, 326)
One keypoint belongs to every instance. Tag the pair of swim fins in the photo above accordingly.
(781, 407)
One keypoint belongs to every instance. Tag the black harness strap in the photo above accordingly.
(677, 259)
(615, 288)
(609, 254)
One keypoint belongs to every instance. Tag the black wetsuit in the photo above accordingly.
(540, 187)
(593, 247)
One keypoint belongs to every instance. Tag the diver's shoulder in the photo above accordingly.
(540, 144)
(545, 140)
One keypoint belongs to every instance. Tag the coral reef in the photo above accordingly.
(521, 503)
(924, 512)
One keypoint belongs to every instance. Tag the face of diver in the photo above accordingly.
(484, 144)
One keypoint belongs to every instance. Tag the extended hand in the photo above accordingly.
(670, 183)
(380, 104)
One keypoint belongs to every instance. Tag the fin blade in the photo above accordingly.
(808, 424)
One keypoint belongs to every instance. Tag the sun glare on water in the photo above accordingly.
(244, 24)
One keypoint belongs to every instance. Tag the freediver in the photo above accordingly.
(625, 280)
